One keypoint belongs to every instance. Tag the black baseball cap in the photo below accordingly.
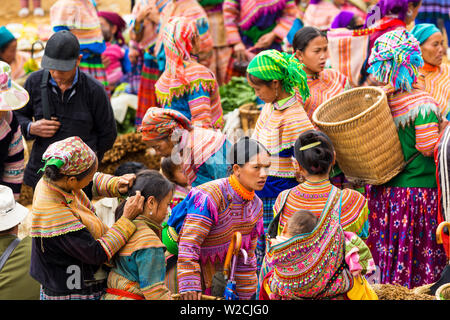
(61, 51)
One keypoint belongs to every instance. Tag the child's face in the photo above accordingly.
(180, 178)
(107, 30)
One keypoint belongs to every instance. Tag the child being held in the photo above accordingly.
(175, 174)
(303, 221)
(305, 241)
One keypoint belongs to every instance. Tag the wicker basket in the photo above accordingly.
(248, 114)
(443, 292)
(363, 132)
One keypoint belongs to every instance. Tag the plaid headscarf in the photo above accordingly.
(159, 123)
(396, 59)
(72, 156)
(275, 65)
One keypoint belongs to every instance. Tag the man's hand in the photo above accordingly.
(44, 128)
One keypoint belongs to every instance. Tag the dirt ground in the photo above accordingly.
(10, 8)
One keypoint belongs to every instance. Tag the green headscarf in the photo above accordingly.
(275, 65)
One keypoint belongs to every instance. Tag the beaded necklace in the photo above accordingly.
(240, 189)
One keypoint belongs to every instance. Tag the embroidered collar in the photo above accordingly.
(240, 189)
(430, 68)
(313, 76)
(284, 103)
(153, 225)
(68, 197)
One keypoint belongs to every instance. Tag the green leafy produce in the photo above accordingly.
(236, 93)
(127, 126)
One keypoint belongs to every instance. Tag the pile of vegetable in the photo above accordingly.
(128, 147)
(236, 93)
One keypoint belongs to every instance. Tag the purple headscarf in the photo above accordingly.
(116, 20)
(315, 1)
(386, 7)
(342, 19)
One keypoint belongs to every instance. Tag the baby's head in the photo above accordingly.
(173, 172)
(302, 221)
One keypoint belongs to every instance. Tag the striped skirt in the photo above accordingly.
(402, 237)
(146, 93)
(268, 204)
(94, 66)
(93, 292)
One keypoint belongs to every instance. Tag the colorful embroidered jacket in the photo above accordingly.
(322, 87)
(248, 20)
(199, 101)
(80, 17)
(321, 15)
(436, 81)
(140, 265)
(416, 115)
(12, 164)
(277, 128)
(192, 10)
(309, 265)
(67, 233)
(178, 195)
(314, 196)
(211, 213)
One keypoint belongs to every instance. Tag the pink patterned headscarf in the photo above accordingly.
(177, 39)
(159, 123)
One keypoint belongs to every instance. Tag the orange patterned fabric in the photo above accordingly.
(322, 87)
(313, 196)
(436, 81)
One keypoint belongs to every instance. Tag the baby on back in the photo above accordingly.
(301, 222)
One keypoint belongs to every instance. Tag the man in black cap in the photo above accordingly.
(64, 102)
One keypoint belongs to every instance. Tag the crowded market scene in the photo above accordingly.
(225, 150)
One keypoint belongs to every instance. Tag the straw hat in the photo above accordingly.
(11, 212)
(12, 96)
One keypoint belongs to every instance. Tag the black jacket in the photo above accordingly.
(84, 111)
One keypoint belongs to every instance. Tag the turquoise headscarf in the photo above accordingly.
(423, 31)
(5, 36)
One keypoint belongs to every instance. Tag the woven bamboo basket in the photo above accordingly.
(248, 114)
(443, 292)
(364, 135)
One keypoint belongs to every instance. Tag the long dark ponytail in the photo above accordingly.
(149, 183)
